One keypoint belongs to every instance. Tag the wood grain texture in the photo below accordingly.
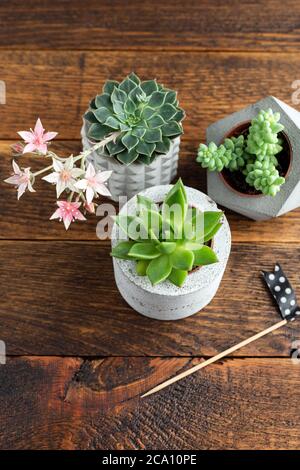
(155, 25)
(58, 85)
(60, 298)
(70, 403)
(29, 217)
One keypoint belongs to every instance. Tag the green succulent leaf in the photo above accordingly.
(98, 131)
(127, 157)
(178, 277)
(130, 141)
(167, 111)
(212, 233)
(102, 114)
(146, 203)
(109, 86)
(90, 117)
(115, 147)
(171, 129)
(159, 269)
(112, 122)
(149, 87)
(103, 101)
(157, 99)
(122, 249)
(163, 146)
(141, 267)
(211, 220)
(134, 78)
(156, 121)
(152, 135)
(132, 227)
(204, 256)
(145, 148)
(142, 250)
(166, 248)
(182, 258)
(175, 206)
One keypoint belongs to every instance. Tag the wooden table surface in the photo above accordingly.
(79, 356)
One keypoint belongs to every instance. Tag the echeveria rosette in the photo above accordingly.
(264, 177)
(167, 244)
(263, 138)
(145, 113)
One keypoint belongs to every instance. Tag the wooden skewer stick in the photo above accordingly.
(215, 358)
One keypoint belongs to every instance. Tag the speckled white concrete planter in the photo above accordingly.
(166, 301)
(130, 180)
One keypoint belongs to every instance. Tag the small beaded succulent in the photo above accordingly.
(254, 156)
(145, 114)
(169, 240)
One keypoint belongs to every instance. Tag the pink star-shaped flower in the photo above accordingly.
(93, 183)
(36, 139)
(21, 179)
(67, 212)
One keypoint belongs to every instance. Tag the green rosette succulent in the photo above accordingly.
(264, 177)
(262, 139)
(212, 157)
(169, 240)
(235, 148)
(254, 156)
(145, 113)
(228, 155)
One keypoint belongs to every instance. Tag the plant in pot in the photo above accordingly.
(147, 118)
(250, 162)
(170, 246)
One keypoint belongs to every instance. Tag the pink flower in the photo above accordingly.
(89, 207)
(17, 149)
(21, 179)
(93, 183)
(68, 212)
(36, 139)
(64, 175)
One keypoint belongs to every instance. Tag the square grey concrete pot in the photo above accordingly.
(128, 180)
(165, 301)
(259, 207)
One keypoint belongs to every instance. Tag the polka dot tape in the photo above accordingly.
(282, 292)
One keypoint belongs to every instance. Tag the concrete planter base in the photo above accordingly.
(126, 181)
(259, 207)
(166, 301)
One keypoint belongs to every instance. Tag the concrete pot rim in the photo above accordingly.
(240, 193)
(198, 278)
(113, 158)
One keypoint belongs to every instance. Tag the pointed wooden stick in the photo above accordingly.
(215, 358)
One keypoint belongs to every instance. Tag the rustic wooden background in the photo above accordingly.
(79, 357)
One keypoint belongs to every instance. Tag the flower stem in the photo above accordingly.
(81, 156)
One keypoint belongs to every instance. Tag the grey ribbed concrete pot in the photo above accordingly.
(130, 180)
(166, 301)
(259, 207)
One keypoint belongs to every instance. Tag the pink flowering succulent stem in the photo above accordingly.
(65, 175)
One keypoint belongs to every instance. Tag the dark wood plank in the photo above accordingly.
(57, 86)
(29, 217)
(61, 298)
(70, 403)
(205, 24)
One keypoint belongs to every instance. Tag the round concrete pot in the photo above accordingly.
(165, 301)
(126, 181)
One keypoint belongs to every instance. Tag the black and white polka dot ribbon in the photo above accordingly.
(282, 292)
